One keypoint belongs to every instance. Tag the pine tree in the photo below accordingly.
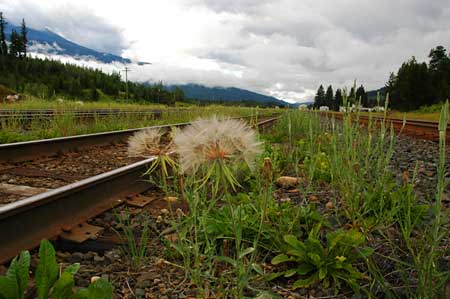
(329, 97)
(338, 100)
(319, 100)
(362, 96)
(23, 39)
(15, 45)
(3, 45)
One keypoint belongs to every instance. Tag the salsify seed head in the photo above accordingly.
(213, 139)
(147, 143)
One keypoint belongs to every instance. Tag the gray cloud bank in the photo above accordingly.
(285, 48)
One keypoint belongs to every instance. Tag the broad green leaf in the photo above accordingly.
(304, 283)
(63, 287)
(314, 245)
(304, 269)
(100, 289)
(294, 242)
(299, 254)
(257, 269)
(333, 238)
(8, 288)
(245, 252)
(290, 272)
(281, 258)
(315, 259)
(47, 269)
(323, 271)
(16, 279)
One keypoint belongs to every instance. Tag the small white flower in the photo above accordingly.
(147, 143)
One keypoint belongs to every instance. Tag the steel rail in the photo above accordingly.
(28, 150)
(415, 128)
(25, 222)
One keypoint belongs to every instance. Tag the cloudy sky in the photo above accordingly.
(285, 48)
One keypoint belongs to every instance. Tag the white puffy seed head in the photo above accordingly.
(147, 143)
(207, 140)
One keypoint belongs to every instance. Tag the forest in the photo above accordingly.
(414, 85)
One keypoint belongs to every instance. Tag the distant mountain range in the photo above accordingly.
(47, 42)
(220, 94)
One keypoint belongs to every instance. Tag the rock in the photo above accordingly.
(287, 181)
(313, 198)
(99, 259)
(76, 257)
(139, 292)
(94, 278)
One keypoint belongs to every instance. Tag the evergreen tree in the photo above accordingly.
(319, 99)
(338, 100)
(15, 45)
(23, 39)
(351, 96)
(3, 45)
(362, 96)
(329, 97)
(439, 68)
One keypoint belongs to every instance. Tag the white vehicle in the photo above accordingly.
(324, 108)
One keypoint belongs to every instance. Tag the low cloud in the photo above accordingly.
(284, 48)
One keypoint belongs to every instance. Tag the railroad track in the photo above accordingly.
(415, 128)
(63, 211)
(28, 114)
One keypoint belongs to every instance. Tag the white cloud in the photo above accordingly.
(285, 48)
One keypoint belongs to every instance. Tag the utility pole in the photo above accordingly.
(126, 70)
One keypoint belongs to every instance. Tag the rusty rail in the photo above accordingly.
(415, 128)
(28, 150)
(24, 223)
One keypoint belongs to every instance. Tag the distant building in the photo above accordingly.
(324, 108)
(303, 107)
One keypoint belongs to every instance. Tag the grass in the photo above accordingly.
(367, 235)
(66, 124)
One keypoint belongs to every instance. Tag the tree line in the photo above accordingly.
(414, 85)
(419, 84)
(335, 100)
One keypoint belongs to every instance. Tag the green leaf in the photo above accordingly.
(100, 289)
(82, 293)
(63, 287)
(292, 240)
(304, 269)
(317, 261)
(290, 272)
(8, 288)
(323, 271)
(47, 269)
(14, 284)
(227, 259)
(304, 283)
(245, 252)
(257, 269)
(281, 258)
(366, 252)
(72, 269)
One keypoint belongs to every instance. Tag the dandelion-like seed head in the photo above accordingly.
(147, 143)
(213, 139)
